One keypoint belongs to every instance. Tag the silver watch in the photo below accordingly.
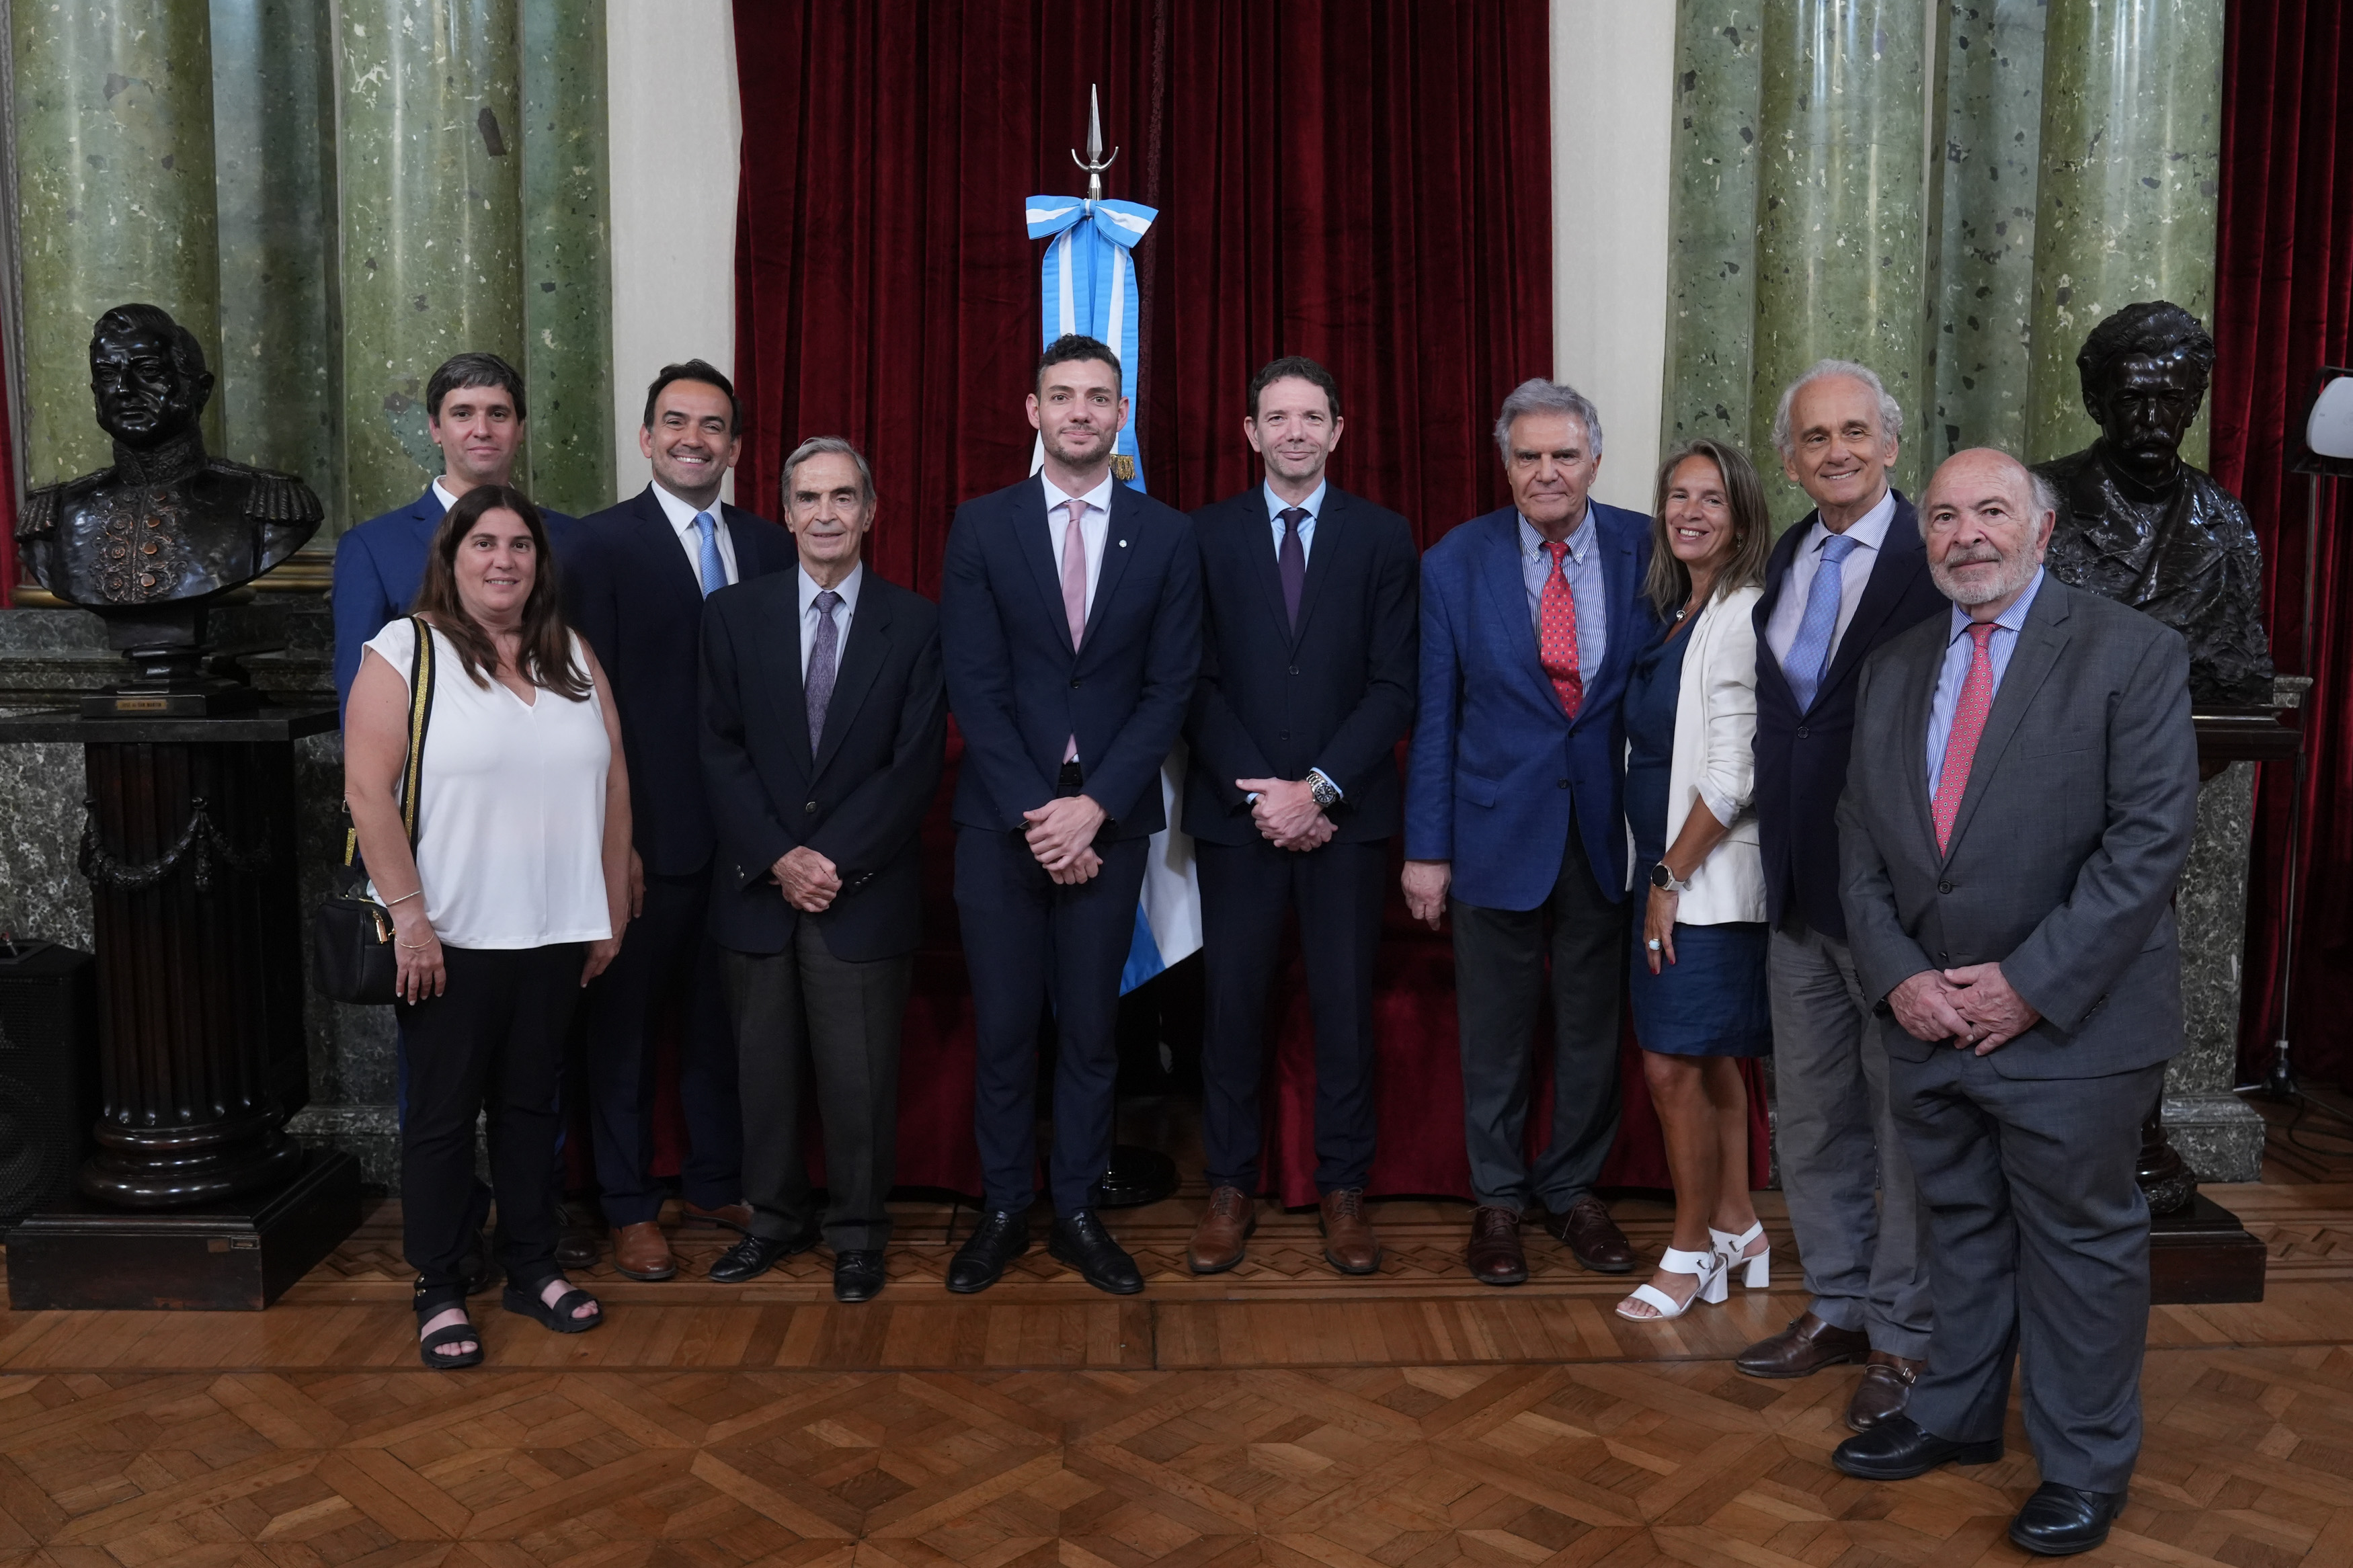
(1322, 792)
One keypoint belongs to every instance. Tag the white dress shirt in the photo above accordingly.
(842, 612)
(681, 518)
(442, 495)
(1313, 506)
(1094, 528)
(1869, 531)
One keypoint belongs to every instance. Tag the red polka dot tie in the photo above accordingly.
(1968, 724)
(1557, 642)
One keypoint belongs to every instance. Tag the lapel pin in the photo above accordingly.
(1122, 545)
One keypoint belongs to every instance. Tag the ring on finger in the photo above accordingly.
(1652, 945)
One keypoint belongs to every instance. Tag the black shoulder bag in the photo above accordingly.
(351, 933)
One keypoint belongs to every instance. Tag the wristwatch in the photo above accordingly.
(1322, 792)
(1661, 878)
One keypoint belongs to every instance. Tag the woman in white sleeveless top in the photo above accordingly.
(513, 899)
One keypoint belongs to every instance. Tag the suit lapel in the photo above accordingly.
(861, 661)
(657, 542)
(2040, 642)
(1033, 536)
(1619, 586)
(1919, 695)
(1119, 544)
(1330, 539)
(1500, 570)
(1777, 567)
(787, 686)
(1261, 564)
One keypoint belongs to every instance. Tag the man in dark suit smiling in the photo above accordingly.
(1070, 625)
(1308, 683)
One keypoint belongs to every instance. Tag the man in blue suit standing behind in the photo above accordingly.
(1514, 818)
(474, 412)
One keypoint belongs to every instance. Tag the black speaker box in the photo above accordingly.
(49, 1073)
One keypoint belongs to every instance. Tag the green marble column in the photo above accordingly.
(566, 254)
(274, 128)
(1712, 259)
(113, 111)
(1841, 244)
(430, 180)
(1992, 68)
(2132, 129)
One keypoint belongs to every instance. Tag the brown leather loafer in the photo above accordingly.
(1349, 1244)
(736, 1218)
(1886, 1388)
(1494, 1253)
(1806, 1346)
(642, 1252)
(1225, 1225)
(1588, 1232)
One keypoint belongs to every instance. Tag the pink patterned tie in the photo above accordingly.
(1968, 724)
(1074, 591)
(1557, 639)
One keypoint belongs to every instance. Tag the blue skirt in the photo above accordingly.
(1711, 1001)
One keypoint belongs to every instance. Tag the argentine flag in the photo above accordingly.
(1088, 285)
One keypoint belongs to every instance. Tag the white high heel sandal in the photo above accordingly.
(1730, 1247)
(1707, 1266)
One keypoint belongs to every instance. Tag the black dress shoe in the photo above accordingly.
(1898, 1448)
(1002, 1236)
(1080, 1240)
(755, 1255)
(2059, 1521)
(575, 1239)
(857, 1276)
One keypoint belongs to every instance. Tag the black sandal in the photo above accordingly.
(430, 1303)
(523, 1299)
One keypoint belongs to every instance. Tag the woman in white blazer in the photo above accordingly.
(1698, 971)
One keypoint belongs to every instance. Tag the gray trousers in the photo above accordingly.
(1844, 1174)
(2041, 1251)
(803, 1015)
(1499, 986)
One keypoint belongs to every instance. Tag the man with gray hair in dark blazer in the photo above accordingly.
(2017, 813)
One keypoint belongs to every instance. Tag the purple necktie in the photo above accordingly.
(822, 658)
(1292, 560)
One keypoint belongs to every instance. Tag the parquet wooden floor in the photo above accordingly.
(1280, 1416)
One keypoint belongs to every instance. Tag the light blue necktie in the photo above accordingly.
(1809, 652)
(714, 568)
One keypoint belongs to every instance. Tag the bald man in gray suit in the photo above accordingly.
(2019, 806)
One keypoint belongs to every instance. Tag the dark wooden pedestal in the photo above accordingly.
(2202, 1253)
(235, 1255)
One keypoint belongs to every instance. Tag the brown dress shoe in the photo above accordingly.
(1225, 1225)
(1807, 1345)
(1494, 1253)
(736, 1218)
(642, 1252)
(1349, 1244)
(1885, 1387)
(1587, 1231)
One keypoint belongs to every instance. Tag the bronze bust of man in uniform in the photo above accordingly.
(167, 526)
(2139, 525)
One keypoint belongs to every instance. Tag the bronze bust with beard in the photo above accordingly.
(2139, 525)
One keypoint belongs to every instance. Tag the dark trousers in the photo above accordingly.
(2040, 1250)
(1245, 889)
(1029, 942)
(804, 1015)
(1499, 986)
(491, 1044)
(664, 955)
(478, 1202)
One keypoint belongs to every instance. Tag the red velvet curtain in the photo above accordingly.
(2284, 307)
(1367, 182)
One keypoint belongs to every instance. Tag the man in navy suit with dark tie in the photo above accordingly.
(644, 569)
(1309, 634)
(474, 412)
(1516, 818)
(1071, 626)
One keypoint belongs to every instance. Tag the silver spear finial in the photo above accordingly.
(1094, 163)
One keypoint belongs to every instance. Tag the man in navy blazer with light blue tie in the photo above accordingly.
(1070, 628)
(474, 412)
(1514, 819)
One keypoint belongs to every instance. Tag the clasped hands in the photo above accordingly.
(1286, 814)
(1061, 835)
(1974, 1005)
(809, 880)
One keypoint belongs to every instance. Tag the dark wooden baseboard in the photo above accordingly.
(2202, 1254)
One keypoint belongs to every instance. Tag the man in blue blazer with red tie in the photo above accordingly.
(1514, 818)
(1070, 628)
(644, 568)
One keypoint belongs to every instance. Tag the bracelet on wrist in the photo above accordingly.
(412, 893)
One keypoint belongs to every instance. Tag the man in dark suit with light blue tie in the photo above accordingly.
(1516, 819)
(1071, 626)
(644, 568)
(824, 728)
(1307, 684)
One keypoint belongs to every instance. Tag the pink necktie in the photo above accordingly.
(1968, 724)
(1074, 591)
